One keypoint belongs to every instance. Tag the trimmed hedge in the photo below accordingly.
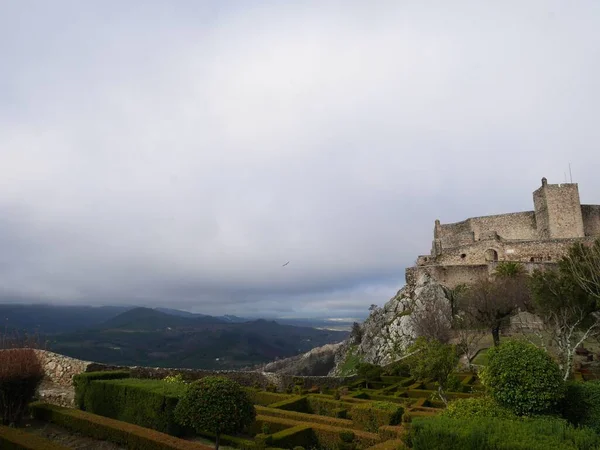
(83, 380)
(15, 439)
(296, 403)
(131, 436)
(326, 407)
(394, 444)
(147, 403)
(297, 436)
(265, 398)
(581, 405)
(304, 417)
(494, 433)
(371, 416)
(387, 432)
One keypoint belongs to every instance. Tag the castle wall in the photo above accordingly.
(522, 251)
(449, 276)
(519, 225)
(591, 219)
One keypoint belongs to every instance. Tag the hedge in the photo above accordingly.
(394, 444)
(328, 437)
(304, 417)
(296, 403)
(326, 407)
(15, 439)
(265, 398)
(493, 433)
(82, 381)
(581, 405)
(387, 432)
(131, 436)
(147, 403)
(371, 416)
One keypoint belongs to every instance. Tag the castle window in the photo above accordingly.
(463, 256)
(532, 259)
(491, 255)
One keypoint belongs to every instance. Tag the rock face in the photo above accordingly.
(389, 330)
(317, 362)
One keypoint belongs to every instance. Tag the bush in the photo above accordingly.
(20, 376)
(523, 378)
(493, 433)
(215, 404)
(370, 416)
(174, 378)
(83, 380)
(102, 428)
(147, 403)
(468, 408)
(581, 405)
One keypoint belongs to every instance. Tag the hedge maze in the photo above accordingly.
(139, 413)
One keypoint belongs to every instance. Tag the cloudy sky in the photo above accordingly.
(177, 153)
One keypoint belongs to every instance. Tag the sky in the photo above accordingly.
(178, 153)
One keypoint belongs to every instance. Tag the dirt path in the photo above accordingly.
(66, 438)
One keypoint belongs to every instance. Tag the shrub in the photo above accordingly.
(174, 378)
(493, 433)
(581, 405)
(523, 378)
(20, 375)
(147, 403)
(102, 428)
(370, 416)
(83, 380)
(466, 408)
(215, 404)
(265, 398)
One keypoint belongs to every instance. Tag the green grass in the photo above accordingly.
(352, 360)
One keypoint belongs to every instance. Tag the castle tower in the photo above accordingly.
(558, 211)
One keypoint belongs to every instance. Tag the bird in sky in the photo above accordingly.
(285, 264)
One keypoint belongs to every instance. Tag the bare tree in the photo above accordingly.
(468, 334)
(566, 301)
(432, 320)
(583, 262)
(491, 300)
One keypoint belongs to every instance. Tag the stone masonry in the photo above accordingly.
(464, 251)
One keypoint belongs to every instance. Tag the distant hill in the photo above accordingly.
(148, 319)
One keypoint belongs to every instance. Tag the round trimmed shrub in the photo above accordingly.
(217, 405)
(522, 378)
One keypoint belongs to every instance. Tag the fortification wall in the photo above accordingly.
(591, 219)
(454, 234)
(60, 370)
(558, 210)
(515, 226)
(522, 251)
(449, 276)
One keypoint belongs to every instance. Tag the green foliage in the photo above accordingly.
(102, 428)
(368, 372)
(215, 404)
(337, 395)
(147, 403)
(83, 380)
(265, 398)
(487, 433)
(581, 405)
(522, 378)
(326, 407)
(370, 416)
(397, 369)
(432, 360)
(509, 269)
(352, 359)
(469, 408)
(15, 439)
(174, 378)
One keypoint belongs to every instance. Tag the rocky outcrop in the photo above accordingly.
(389, 330)
(317, 362)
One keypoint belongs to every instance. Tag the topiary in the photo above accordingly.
(217, 405)
(522, 378)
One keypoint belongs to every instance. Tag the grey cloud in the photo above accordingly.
(153, 153)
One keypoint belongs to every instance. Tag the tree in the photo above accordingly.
(491, 300)
(468, 333)
(433, 359)
(583, 263)
(432, 319)
(523, 378)
(368, 372)
(568, 309)
(356, 334)
(217, 405)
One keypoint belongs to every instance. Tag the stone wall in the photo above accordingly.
(60, 369)
(591, 219)
(449, 276)
(558, 211)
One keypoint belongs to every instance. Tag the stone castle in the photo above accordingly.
(464, 251)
